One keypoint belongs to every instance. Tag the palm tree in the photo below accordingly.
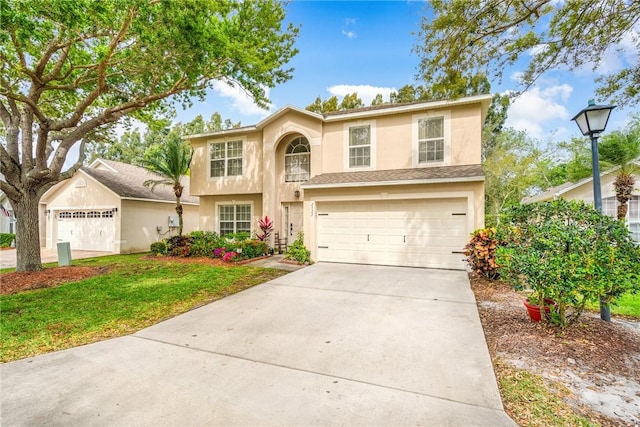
(622, 149)
(172, 164)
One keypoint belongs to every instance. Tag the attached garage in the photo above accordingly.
(87, 230)
(416, 233)
(417, 218)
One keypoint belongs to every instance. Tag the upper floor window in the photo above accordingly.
(226, 158)
(297, 160)
(431, 140)
(360, 146)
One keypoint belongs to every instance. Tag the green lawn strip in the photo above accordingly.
(531, 402)
(626, 305)
(134, 294)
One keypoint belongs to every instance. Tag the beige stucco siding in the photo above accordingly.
(466, 135)
(472, 191)
(394, 139)
(252, 168)
(139, 219)
(209, 220)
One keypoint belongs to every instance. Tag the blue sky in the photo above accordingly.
(366, 47)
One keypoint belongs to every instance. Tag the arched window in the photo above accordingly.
(297, 160)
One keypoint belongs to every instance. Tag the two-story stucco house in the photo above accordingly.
(397, 184)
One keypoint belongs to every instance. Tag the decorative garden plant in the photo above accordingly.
(569, 252)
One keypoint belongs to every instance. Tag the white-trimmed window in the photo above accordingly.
(431, 140)
(610, 208)
(297, 160)
(360, 146)
(225, 158)
(234, 218)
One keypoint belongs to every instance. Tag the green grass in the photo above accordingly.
(626, 305)
(134, 293)
(531, 402)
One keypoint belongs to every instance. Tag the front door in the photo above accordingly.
(291, 221)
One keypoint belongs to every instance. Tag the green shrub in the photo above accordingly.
(297, 251)
(159, 248)
(253, 249)
(239, 236)
(203, 243)
(6, 239)
(569, 252)
(481, 253)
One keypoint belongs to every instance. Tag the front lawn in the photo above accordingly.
(132, 292)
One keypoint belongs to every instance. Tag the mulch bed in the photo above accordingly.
(592, 350)
(11, 283)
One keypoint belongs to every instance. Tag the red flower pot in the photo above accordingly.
(534, 310)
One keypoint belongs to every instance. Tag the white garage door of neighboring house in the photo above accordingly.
(417, 233)
(87, 230)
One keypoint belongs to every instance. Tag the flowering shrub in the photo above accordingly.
(219, 252)
(229, 256)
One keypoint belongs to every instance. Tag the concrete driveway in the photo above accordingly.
(331, 344)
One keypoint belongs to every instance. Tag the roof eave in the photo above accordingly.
(408, 108)
(396, 182)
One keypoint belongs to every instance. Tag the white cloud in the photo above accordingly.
(241, 101)
(537, 107)
(365, 92)
(346, 31)
(349, 34)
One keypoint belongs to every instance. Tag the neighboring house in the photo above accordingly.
(397, 184)
(7, 217)
(106, 207)
(583, 190)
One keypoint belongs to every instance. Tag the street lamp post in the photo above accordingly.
(592, 121)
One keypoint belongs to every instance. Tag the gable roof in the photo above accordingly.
(561, 189)
(434, 175)
(358, 113)
(127, 182)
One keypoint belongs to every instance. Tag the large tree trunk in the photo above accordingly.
(27, 233)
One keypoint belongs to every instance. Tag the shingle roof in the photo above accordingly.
(405, 176)
(127, 181)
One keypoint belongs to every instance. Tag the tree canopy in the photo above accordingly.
(68, 68)
(464, 38)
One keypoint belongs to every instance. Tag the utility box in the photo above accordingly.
(173, 221)
(64, 253)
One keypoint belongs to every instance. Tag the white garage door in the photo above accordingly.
(87, 230)
(417, 233)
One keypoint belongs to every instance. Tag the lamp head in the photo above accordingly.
(592, 120)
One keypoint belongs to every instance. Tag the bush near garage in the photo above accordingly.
(297, 251)
(568, 252)
(480, 253)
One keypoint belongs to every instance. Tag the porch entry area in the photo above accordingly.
(291, 215)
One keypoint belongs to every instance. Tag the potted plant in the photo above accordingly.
(534, 301)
